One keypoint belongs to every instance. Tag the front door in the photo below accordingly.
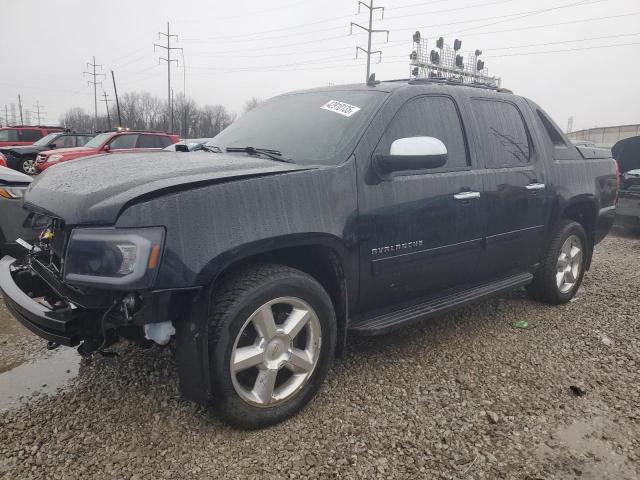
(421, 231)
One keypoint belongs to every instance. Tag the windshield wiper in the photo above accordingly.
(272, 154)
(211, 148)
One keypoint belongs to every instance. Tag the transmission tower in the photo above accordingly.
(95, 84)
(370, 31)
(106, 104)
(168, 49)
(37, 111)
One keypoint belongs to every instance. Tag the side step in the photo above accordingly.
(385, 321)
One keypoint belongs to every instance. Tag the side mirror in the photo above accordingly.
(106, 148)
(413, 153)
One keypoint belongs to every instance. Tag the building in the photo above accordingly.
(606, 136)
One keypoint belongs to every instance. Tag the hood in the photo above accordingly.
(9, 176)
(627, 153)
(57, 151)
(22, 150)
(96, 189)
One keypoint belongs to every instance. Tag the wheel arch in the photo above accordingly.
(325, 257)
(583, 210)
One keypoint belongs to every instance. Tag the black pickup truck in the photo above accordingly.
(346, 210)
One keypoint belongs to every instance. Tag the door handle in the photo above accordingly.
(536, 186)
(466, 195)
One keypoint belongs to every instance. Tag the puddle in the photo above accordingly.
(43, 377)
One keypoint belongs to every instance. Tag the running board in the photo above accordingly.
(431, 306)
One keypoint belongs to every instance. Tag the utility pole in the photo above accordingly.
(6, 115)
(37, 110)
(370, 31)
(106, 104)
(115, 91)
(168, 48)
(95, 83)
(20, 108)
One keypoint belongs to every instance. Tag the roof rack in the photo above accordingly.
(448, 81)
(445, 65)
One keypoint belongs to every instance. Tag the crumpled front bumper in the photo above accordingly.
(59, 324)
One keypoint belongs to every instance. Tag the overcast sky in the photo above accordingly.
(238, 49)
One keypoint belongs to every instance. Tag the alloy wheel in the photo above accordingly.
(275, 352)
(569, 264)
(29, 167)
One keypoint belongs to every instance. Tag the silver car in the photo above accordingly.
(13, 218)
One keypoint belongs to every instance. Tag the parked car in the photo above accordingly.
(190, 145)
(23, 158)
(12, 217)
(24, 135)
(111, 142)
(627, 153)
(3, 160)
(345, 210)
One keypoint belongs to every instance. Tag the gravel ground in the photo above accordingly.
(465, 396)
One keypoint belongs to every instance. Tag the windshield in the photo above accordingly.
(44, 141)
(308, 128)
(98, 140)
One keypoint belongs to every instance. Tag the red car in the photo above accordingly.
(3, 161)
(24, 135)
(111, 142)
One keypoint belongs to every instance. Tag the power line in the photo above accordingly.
(95, 83)
(563, 50)
(168, 49)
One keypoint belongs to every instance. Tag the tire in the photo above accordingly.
(237, 311)
(549, 284)
(26, 165)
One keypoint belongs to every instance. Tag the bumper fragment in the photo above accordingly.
(59, 324)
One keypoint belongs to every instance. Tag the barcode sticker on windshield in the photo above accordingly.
(340, 108)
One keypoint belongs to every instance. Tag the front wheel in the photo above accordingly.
(272, 342)
(27, 165)
(562, 269)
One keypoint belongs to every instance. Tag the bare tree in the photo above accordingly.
(143, 111)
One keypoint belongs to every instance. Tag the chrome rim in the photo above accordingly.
(569, 264)
(29, 166)
(276, 352)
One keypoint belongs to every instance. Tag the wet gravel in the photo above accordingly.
(465, 396)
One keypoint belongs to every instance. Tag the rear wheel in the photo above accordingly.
(272, 341)
(561, 271)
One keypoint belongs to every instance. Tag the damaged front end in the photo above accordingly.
(92, 286)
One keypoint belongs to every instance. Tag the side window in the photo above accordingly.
(124, 141)
(504, 138)
(59, 142)
(30, 135)
(147, 141)
(81, 140)
(552, 130)
(429, 116)
(8, 135)
(69, 141)
(164, 141)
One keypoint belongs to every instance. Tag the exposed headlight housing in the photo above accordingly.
(53, 158)
(116, 258)
(12, 192)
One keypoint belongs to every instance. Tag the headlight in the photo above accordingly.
(126, 258)
(12, 192)
(53, 158)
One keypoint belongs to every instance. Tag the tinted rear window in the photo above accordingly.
(503, 135)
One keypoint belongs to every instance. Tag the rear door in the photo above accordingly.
(420, 231)
(516, 202)
(123, 142)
